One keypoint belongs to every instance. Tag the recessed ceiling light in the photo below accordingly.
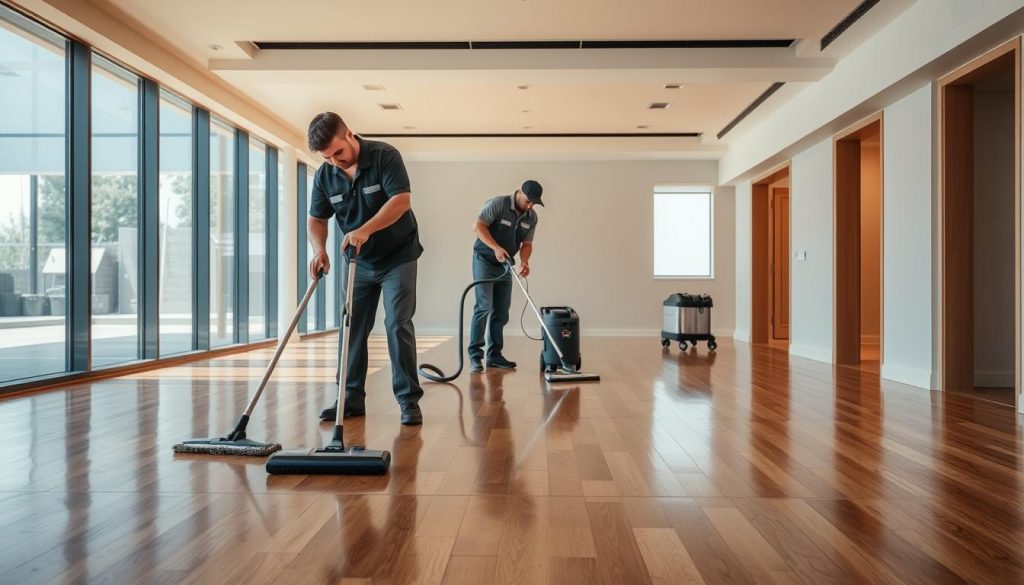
(673, 85)
(390, 106)
(527, 127)
(408, 127)
(659, 106)
(373, 87)
(642, 126)
(215, 47)
(526, 111)
(522, 87)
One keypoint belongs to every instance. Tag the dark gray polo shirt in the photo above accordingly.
(508, 227)
(379, 176)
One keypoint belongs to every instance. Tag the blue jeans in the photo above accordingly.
(399, 287)
(491, 310)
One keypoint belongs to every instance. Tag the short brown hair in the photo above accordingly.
(323, 128)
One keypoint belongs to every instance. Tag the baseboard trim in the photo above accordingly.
(994, 379)
(811, 353)
(906, 375)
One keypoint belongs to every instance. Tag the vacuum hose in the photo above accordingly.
(434, 373)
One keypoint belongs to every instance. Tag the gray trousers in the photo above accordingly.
(491, 310)
(399, 287)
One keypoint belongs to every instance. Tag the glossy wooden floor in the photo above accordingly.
(740, 467)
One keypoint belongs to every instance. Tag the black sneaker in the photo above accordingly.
(500, 362)
(411, 414)
(351, 410)
(476, 365)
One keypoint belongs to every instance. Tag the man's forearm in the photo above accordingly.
(317, 233)
(391, 212)
(525, 251)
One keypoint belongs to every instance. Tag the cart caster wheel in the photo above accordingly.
(712, 345)
(665, 343)
(682, 346)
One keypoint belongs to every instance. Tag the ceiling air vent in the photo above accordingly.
(390, 106)
(659, 106)
(847, 22)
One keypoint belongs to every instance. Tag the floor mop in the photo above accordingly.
(235, 442)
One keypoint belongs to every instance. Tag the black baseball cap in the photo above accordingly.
(533, 190)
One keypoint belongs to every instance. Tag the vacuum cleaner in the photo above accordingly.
(235, 442)
(334, 458)
(568, 364)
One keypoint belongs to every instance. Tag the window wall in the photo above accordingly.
(222, 233)
(311, 308)
(121, 207)
(176, 225)
(257, 240)
(33, 205)
(115, 214)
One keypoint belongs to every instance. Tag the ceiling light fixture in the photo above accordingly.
(215, 47)
(390, 106)
(522, 87)
(373, 87)
(642, 126)
(673, 85)
(526, 111)
(527, 127)
(408, 127)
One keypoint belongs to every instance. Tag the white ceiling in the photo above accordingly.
(571, 91)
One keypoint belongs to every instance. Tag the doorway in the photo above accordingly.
(770, 282)
(981, 226)
(858, 246)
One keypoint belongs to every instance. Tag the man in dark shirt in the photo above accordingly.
(363, 184)
(504, 227)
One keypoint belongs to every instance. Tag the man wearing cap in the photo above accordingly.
(504, 227)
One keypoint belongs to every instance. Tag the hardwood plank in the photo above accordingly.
(666, 558)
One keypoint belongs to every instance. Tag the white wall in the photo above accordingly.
(993, 238)
(593, 248)
(811, 212)
(744, 249)
(907, 225)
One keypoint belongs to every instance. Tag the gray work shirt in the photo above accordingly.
(509, 228)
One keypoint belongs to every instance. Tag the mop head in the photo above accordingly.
(564, 375)
(354, 461)
(219, 446)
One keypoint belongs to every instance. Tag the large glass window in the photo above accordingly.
(311, 307)
(257, 240)
(176, 264)
(683, 232)
(32, 199)
(222, 233)
(115, 213)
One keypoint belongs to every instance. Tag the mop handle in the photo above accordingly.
(346, 322)
(280, 344)
(543, 326)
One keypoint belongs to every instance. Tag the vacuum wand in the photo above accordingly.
(338, 440)
(543, 325)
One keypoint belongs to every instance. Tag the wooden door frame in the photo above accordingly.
(841, 354)
(964, 76)
(774, 260)
(760, 279)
